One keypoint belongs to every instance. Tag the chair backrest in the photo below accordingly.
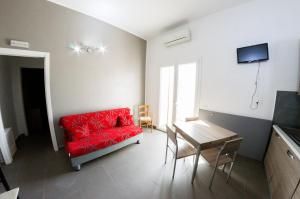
(144, 110)
(172, 135)
(231, 146)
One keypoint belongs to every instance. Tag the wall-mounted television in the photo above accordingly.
(254, 53)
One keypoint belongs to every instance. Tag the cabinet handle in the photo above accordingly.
(290, 154)
(276, 135)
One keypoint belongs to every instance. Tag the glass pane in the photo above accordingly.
(166, 96)
(186, 91)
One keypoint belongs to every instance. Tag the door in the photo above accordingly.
(166, 96)
(178, 93)
(34, 101)
(186, 91)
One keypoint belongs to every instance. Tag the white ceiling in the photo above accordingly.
(146, 18)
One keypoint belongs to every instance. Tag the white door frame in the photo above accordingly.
(46, 56)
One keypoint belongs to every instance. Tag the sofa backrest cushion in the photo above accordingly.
(95, 120)
(125, 120)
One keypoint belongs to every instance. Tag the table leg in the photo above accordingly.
(196, 163)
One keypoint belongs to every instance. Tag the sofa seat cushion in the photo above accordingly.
(80, 132)
(101, 139)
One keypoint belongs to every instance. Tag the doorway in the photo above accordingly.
(46, 57)
(34, 101)
(179, 93)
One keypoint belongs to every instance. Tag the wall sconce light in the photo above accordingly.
(81, 48)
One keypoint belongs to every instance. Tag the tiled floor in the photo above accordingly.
(135, 172)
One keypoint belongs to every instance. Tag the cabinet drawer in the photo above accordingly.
(270, 159)
(286, 175)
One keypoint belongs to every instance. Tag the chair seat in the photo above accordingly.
(145, 118)
(210, 155)
(185, 149)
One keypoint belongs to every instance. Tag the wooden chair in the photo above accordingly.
(222, 156)
(182, 147)
(144, 116)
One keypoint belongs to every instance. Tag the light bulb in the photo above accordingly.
(102, 49)
(77, 49)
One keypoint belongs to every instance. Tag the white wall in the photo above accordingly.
(225, 85)
(78, 83)
(6, 97)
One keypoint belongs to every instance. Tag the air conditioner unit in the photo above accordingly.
(177, 37)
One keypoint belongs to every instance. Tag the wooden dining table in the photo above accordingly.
(203, 135)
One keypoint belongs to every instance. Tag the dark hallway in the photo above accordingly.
(34, 102)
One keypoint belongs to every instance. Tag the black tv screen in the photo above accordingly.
(254, 53)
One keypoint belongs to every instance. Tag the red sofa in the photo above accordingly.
(91, 135)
